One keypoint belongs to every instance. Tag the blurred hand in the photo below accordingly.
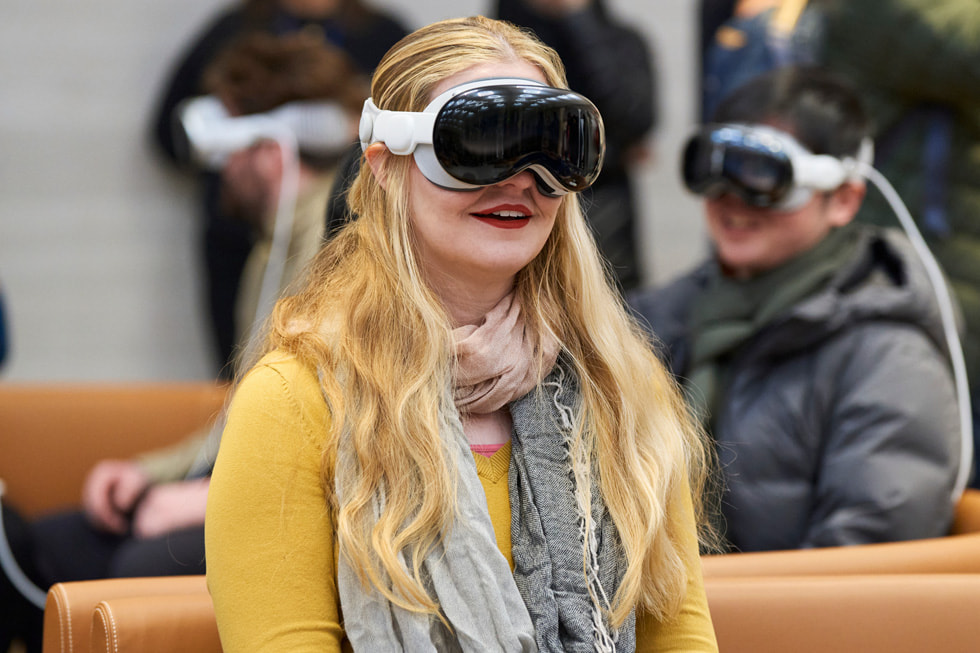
(250, 182)
(171, 506)
(110, 492)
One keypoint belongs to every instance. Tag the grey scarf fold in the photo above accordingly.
(549, 603)
(548, 528)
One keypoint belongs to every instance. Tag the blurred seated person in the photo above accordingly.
(145, 517)
(811, 346)
(139, 517)
(362, 32)
(265, 182)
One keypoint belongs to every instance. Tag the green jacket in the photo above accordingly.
(908, 58)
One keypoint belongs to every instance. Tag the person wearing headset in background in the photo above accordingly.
(611, 63)
(145, 517)
(810, 345)
(361, 31)
(457, 394)
(258, 74)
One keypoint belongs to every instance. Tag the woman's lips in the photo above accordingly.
(505, 216)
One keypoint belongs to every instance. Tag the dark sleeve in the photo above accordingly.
(712, 14)
(664, 312)
(892, 449)
(614, 67)
(185, 79)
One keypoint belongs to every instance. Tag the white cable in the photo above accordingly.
(946, 313)
(17, 577)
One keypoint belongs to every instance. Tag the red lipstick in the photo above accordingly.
(505, 216)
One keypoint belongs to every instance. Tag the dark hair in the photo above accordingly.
(822, 111)
(259, 72)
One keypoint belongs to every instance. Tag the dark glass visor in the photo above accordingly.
(485, 135)
(727, 160)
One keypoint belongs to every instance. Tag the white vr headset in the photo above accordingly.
(211, 133)
(485, 131)
(764, 166)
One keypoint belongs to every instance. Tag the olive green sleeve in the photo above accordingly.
(173, 463)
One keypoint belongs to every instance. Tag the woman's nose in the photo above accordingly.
(521, 180)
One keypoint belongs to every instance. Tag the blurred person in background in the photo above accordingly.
(811, 346)
(612, 64)
(749, 37)
(139, 517)
(259, 74)
(362, 32)
(145, 517)
(923, 98)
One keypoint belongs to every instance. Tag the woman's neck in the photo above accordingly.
(468, 303)
(488, 428)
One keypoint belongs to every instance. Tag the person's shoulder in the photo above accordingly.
(668, 298)
(284, 364)
(281, 375)
(221, 25)
(888, 278)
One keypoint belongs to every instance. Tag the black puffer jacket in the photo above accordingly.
(839, 422)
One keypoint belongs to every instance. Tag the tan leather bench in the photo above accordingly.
(52, 434)
(952, 554)
(880, 613)
(140, 611)
(886, 613)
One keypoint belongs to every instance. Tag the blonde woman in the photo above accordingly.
(456, 439)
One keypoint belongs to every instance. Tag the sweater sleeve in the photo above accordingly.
(691, 630)
(270, 545)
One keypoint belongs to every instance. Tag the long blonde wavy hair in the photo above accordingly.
(381, 340)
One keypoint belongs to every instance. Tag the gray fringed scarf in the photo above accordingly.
(548, 604)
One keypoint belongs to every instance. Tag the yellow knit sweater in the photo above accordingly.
(271, 547)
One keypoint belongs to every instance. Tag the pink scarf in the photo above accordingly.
(496, 360)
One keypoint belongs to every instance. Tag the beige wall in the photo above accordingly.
(97, 239)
